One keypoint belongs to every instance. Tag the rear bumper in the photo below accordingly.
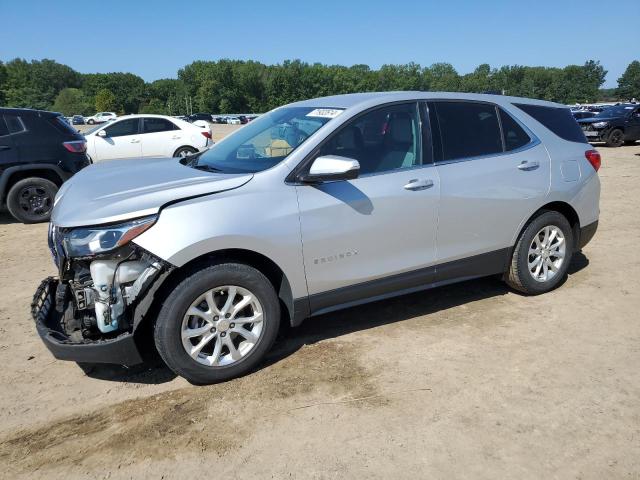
(119, 350)
(586, 234)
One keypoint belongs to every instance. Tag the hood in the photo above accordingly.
(596, 119)
(118, 190)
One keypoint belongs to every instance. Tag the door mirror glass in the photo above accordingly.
(331, 168)
(102, 133)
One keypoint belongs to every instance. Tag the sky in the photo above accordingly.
(154, 39)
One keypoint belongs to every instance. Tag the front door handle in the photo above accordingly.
(5, 147)
(526, 166)
(416, 184)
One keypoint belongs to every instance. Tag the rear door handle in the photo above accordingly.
(135, 140)
(176, 137)
(526, 166)
(5, 147)
(416, 184)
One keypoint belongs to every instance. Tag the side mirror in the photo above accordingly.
(331, 168)
(102, 133)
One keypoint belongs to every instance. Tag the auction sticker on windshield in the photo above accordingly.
(325, 112)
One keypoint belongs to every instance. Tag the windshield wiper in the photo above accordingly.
(191, 159)
(206, 168)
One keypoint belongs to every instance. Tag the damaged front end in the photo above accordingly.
(90, 312)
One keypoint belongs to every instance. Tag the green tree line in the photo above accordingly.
(228, 86)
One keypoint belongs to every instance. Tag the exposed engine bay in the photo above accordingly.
(96, 296)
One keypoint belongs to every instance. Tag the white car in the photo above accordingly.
(135, 136)
(233, 121)
(101, 117)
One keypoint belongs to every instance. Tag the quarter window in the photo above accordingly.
(382, 140)
(3, 128)
(123, 127)
(155, 125)
(558, 120)
(468, 129)
(514, 135)
(14, 124)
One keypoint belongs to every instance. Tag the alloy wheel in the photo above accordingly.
(546, 253)
(222, 326)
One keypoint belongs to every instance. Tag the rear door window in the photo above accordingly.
(558, 120)
(467, 129)
(123, 128)
(514, 135)
(154, 125)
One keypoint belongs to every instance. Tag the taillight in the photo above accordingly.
(594, 159)
(76, 146)
(206, 134)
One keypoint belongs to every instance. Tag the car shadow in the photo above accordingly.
(340, 323)
(7, 219)
(395, 310)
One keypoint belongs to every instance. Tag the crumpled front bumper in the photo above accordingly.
(119, 350)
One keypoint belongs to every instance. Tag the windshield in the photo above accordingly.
(266, 141)
(616, 111)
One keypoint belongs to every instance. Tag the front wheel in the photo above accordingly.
(218, 323)
(91, 122)
(542, 254)
(615, 138)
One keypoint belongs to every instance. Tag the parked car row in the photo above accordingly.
(221, 119)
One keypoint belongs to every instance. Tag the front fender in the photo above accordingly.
(260, 220)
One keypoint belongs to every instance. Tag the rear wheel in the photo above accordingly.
(90, 121)
(542, 254)
(615, 138)
(184, 152)
(218, 323)
(31, 200)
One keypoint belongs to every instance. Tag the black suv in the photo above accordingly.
(614, 125)
(38, 151)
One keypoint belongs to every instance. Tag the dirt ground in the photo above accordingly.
(466, 381)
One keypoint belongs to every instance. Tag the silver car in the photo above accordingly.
(313, 207)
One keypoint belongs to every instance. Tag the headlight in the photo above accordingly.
(600, 124)
(86, 241)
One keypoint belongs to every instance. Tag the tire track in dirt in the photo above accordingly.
(215, 418)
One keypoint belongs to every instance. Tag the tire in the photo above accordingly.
(31, 200)
(184, 151)
(91, 122)
(206, 367)
(615, 138)
(520, 277)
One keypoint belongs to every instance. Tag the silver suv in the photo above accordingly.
(313, 207)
